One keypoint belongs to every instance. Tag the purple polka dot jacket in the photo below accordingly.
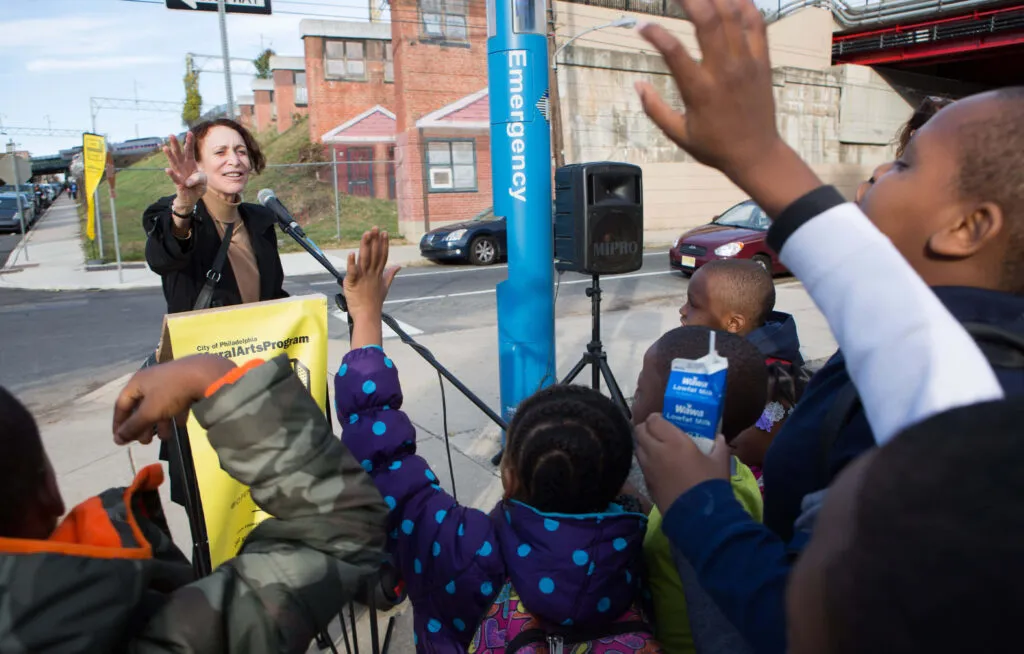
(568, 569)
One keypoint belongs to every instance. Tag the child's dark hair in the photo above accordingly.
(989, 152)
(746, 387)
(22, 462)
(924, 112)
(932, 562)
(571, 448)
(750, 288)
(786, 382)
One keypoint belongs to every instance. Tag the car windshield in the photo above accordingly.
(8, 204)
(746, 215)
(486, 214)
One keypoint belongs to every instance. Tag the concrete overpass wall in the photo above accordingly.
(841, 119)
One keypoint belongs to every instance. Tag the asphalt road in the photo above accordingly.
(57, 346)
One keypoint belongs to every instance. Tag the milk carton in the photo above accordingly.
(695, 396)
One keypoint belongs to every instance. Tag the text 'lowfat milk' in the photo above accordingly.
(695, 396)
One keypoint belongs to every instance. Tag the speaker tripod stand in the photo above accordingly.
(595, 355)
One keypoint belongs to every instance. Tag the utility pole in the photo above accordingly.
(222, 16)
(554, 97)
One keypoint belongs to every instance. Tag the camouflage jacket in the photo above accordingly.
(109, 580)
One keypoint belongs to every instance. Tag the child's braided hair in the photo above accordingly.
(571, 448)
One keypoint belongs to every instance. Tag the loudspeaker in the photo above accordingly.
(599, 218)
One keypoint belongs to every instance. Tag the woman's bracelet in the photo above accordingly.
(188, 215)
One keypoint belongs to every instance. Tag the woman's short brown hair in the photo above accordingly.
(256, 158)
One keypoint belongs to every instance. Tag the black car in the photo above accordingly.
(480, 241)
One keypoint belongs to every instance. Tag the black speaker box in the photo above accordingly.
(599, 218)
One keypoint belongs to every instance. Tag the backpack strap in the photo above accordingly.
(574, 635)
(1002, 348)
(213, 274)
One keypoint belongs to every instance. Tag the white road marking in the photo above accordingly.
(387, 331)
(488, 291)
(454, 271)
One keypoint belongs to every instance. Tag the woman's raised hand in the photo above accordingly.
(189, 181)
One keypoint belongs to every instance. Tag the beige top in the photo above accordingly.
(240, 253)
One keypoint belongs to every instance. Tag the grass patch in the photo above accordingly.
(310, 200)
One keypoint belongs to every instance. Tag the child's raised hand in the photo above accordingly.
(366, 285)
(154, 396)
(730, 111)
(729, 122)
(671, 462)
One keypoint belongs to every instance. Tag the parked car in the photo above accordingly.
(480, 241)
(738, 233)
(10, 219)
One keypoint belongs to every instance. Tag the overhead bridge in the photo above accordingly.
(952, 36)
(49, 165)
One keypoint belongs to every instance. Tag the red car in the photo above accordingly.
(739, 233)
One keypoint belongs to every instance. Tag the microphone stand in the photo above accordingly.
(293, 229)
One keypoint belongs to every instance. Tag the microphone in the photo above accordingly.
(268, 199)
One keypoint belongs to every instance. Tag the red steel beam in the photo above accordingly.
(910, 27)
(930, 51)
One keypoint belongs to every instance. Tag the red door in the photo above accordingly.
(360, 172)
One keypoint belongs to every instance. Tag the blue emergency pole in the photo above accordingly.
(517, 75)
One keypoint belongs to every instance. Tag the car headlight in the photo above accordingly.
(729, 249)
(676, 243)
(454, 236)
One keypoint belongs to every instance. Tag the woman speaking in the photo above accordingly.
(210, 248)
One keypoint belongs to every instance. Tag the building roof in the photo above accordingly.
(263, 85)
(341, 29)
(287, 63)
(471, 112)
(375, 125)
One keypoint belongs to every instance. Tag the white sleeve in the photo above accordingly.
(907, 355)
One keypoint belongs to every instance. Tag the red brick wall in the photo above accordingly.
(429, 76)
(245, 116)
(334, 102)
(264, 113)
(440, 208)
(284, 98)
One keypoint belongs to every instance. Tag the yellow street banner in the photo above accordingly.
(296, 326)
(94, 156)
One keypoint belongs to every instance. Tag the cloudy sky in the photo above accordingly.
(56, 54)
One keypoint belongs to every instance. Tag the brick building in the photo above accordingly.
(291, 98)
(414, 89)
(442, 170)
(246, 111)
(264, 109)
(348, 71)
(366, 145)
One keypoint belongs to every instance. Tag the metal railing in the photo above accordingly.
(858, 16)
(667, 8)
(948, 29)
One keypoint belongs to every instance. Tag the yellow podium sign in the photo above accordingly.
(295, 326)
(94, 156)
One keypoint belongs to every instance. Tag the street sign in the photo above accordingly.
(230, 6)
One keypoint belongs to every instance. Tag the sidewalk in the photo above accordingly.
(55, 260)
(51, 258)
